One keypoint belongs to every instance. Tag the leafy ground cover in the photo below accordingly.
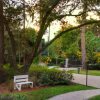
(46, 93)
(90, 72)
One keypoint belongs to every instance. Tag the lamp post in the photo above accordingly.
(24, 17)
(86, 75)
(48, 38)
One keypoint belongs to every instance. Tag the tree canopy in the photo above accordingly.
(42, 13)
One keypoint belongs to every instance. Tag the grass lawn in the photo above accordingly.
(95, 98)
(90, 72)
(44, 94)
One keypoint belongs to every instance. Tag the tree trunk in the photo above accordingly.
(34, 53)
(83, 48)
(13, 46)
(83, 29)
(1, 35)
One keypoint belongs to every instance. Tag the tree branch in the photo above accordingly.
(68, 30)
(62, 16)
(43, 28)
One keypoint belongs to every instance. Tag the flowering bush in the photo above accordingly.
(97, 57)
(45, 59)
(79, 54)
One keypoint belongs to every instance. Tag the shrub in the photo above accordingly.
(45, 76)
(95, 66)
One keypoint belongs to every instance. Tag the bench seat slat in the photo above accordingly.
(21, 80)
(21, 76)
(24, 82)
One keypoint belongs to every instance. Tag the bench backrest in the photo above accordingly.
(20, 78)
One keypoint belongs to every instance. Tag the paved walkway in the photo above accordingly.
(92, 80)
(78, 95)
(84, 94)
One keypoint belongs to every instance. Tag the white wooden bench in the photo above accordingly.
(20, 80)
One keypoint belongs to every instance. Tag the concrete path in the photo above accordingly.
(92, 80)
(65, 69)
(78, 95)
(84, 94)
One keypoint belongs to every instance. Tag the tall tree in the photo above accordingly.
(87, 5)
(12, 20)
(50, 10)
(54, 10)
(1, 34)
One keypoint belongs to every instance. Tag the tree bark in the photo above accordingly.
(83, 48)
(13, 46)
(1, 35)
(83, 30)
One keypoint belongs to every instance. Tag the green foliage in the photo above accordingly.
(20, 97)
(70, 41)
(97, 57)
(70, 44)
(6, 97)
(30, 35)
(55, 48)
(92, 45)
(44, 76)
(19, 66)
(6, 66)
(45, 59)
(9, 70)
(95, 66)
(13, 97)
(66, 44)
(25, 40)
(95, 98)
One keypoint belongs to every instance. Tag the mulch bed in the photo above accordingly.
(4, 88)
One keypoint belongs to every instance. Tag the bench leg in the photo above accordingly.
(19, 87)
(31, 85)
(14, 86)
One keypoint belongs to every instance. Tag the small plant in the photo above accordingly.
(13, 97)
(9, 70)
(19, 66)
(6, 97)
(20, 97)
